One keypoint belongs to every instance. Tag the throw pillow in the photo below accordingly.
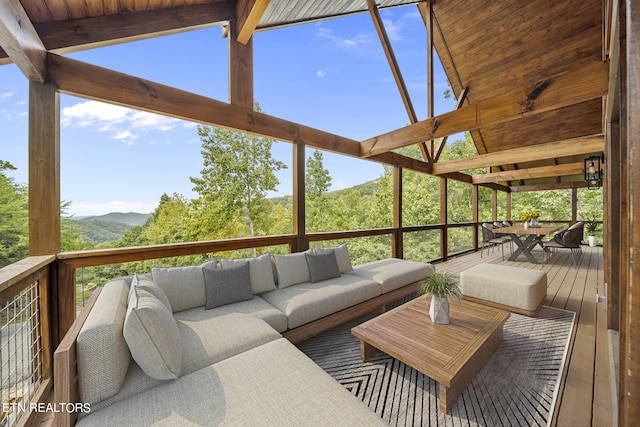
(322, 267)
(260, 271)
(184, 286)
(152, 287)
(342, 256)
(292, 269)
(227, 285)
(151, 333)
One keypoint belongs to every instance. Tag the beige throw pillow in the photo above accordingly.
(151, 333)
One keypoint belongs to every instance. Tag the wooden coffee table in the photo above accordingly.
(450, 354)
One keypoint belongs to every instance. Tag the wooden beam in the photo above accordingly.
(249, 13)
(541, 172)
(21, 42)
(552, 93)
(78, 34)
(545, 187)
(89, 81)
(564, 148)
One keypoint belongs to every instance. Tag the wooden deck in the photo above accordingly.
(585, 394)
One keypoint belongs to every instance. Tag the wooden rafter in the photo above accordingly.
(555, 92)
(395, 70)
(550, 150)
(77, 34)
(541, 172)
(21, 42)
(248, 14)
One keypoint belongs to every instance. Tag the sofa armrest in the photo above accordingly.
(65, 373)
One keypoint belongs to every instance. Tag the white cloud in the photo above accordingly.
(393, 30)
(120, 121)
(6, 95)
(347, 43)
(321, 73)
(101, 208)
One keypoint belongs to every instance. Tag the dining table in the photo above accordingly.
(526, 238)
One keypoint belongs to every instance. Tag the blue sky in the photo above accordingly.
(331, 75)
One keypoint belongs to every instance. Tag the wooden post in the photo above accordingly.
(574, 205)
(630, 410)
(240, 69)
(611, 228)
(508, 206)
(494, 205)
(397, 249)
(299, 211)
(444, 235)
(474, 202)
(44, 169)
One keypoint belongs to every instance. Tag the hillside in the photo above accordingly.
(128, 218)
(109, 227)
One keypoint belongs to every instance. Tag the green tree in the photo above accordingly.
(317, 179)
(14, 232)
(238, 172)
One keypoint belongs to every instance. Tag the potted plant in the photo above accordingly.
(440, 286)
(590, 227)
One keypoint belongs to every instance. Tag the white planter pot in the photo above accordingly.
(439, 310)
(592, 240)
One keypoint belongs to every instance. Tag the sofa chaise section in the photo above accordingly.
(272, 384)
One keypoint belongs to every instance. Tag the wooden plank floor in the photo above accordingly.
(584, 397)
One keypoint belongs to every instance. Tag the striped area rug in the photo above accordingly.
(517, 387)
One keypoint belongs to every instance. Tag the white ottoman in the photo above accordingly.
(521, 290)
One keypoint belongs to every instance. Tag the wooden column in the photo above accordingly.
(508, 206)
(397, 249)
(630, 346)
(494, 205)
(299, 211)
(44, 199)
(240, 69)
(474, 202)
(574, 205)
(44, 169)
(611, 228)
(444, 235)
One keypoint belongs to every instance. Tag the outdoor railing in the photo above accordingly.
(25, 341)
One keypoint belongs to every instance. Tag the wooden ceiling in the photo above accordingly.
(534, 73)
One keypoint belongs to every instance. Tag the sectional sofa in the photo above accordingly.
(212, 344)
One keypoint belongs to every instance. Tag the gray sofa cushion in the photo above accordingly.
(274, 384)
(322, 267)
(207, 341)
(256, 307)
(342, 256)
(227, 285)
(394, 273)
(102, 354)
(292, 269)
(306, 302)
(261, 272)
(152, 335)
